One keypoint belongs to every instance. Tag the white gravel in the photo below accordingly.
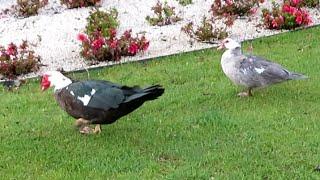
(54, 30)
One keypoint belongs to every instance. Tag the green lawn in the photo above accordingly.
(198, 129)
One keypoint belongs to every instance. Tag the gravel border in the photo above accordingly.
(54, 31)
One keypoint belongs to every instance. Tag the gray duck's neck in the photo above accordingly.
(236, 51)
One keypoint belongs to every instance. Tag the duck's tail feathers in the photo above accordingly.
(147, 94)
(153, 92)
(297, 76)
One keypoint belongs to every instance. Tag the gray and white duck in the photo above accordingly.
(252, 71)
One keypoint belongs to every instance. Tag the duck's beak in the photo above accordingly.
(43, 88)
(221, 46)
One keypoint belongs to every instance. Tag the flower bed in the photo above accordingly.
(101, 42)
(290, 15)
(79, 3)
(100, 48)
(206, 32)
(164, 15)
(16, 60)
(231, 9)
(55, 28)
(28, 8)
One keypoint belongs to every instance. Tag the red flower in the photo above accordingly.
(267, 17)
(133, 48)
(225, 14)
(289, 9)
(145, 45)
(253, 10)
(113, 44)
(4, 66)
(308, 20)
(274, 23)
(286, 8)
(299, 18)
(12, 49)
(82, 37)
(113, 32)
(98, 43)
(127, 34)
(295, 2)
(306, 17)
(82, 4)
(293, 10)
(281, 19)
(229, 2)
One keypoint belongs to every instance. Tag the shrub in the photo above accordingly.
(231, 9)
(79, 3)
(30, 7)
(185, 2)
(102, 21)
(311, 3)
(165, 15)
(100, 43)
(16, 60)
(100, 48)
(287, 16)
(206, 32)
(302, 3)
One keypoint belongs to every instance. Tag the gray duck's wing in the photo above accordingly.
(265, 71)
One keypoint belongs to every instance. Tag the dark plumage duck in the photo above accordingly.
(97, 101)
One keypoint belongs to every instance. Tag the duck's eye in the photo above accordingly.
(227, 41)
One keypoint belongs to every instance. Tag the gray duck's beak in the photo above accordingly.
(221, 46)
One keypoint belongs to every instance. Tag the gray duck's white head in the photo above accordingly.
(229, 44)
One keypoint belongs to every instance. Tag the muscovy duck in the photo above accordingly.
(96, 101)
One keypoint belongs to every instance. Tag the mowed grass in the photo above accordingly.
(198, 129)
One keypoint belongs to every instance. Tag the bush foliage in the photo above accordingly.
(17, 60)
(302, 3)
(231, 9)
(101, 43)
(185, 2)
(164, 15)
(28, 8)
(206, 32)
(79, 3)
(102, 21)
(288, 16)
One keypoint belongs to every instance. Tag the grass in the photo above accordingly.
(198, 129)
